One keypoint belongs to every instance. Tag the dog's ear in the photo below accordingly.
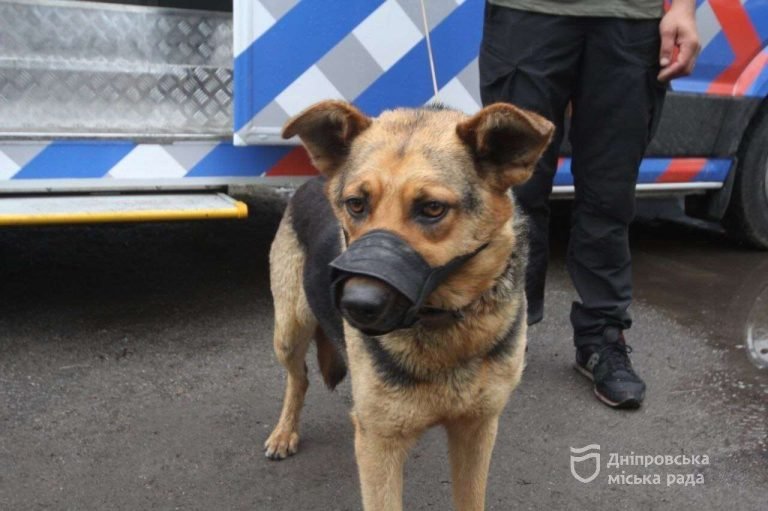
(327, 130)
(506, 142)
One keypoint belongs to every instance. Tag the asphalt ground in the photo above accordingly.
(136, 373)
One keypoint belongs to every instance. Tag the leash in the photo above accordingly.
(429, 47)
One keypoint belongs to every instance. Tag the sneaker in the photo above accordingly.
(615, 382)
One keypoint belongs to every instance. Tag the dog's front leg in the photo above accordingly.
(380, 461)
(470, 441)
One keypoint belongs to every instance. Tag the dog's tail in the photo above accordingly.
(332, 364)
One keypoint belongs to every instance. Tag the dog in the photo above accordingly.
(405, 261)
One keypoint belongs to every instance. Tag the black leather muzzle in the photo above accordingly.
(384, 256)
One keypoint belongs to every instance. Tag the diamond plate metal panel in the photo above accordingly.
(82, 68)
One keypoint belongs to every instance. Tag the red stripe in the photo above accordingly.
(750, 74)
(682, 170)
(741, 36)
(295, 163)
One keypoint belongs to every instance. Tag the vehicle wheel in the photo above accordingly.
(747, 216)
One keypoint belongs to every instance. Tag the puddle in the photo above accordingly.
(757, 331)
(710, 285)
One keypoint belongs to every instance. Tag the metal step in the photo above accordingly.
(94, 70)
(118, 208)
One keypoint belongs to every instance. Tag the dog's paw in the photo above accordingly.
(281, 444)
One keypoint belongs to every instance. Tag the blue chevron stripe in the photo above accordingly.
(455, 42)
(94, 160)
(75, 160)
(712, 61)
(228, 160)
(290, 47)
(758, 14)
(715, 171)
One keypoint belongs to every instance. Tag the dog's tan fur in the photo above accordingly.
(395, 159)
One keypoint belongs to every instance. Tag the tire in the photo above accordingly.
(747, 215)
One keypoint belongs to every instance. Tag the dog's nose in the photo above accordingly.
(372, 306)
(364, 301)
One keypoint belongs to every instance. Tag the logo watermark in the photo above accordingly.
(586, 467)
(592, 454)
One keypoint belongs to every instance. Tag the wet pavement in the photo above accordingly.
(136, 372)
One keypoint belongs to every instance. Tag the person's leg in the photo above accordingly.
(615, 106)
(530, 60)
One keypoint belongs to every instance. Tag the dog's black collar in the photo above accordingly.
(433, 317)
(439, 274)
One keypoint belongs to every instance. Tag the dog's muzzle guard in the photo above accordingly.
(385, 256)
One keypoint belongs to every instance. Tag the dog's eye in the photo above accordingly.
(433, 210)
(355, 206)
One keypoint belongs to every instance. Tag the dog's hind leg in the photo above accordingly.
(470, 442)
(294, 327)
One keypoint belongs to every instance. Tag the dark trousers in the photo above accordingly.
(606, 69)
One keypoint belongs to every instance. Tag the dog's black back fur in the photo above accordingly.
(318, 232)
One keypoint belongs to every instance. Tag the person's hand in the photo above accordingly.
(679, 40)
